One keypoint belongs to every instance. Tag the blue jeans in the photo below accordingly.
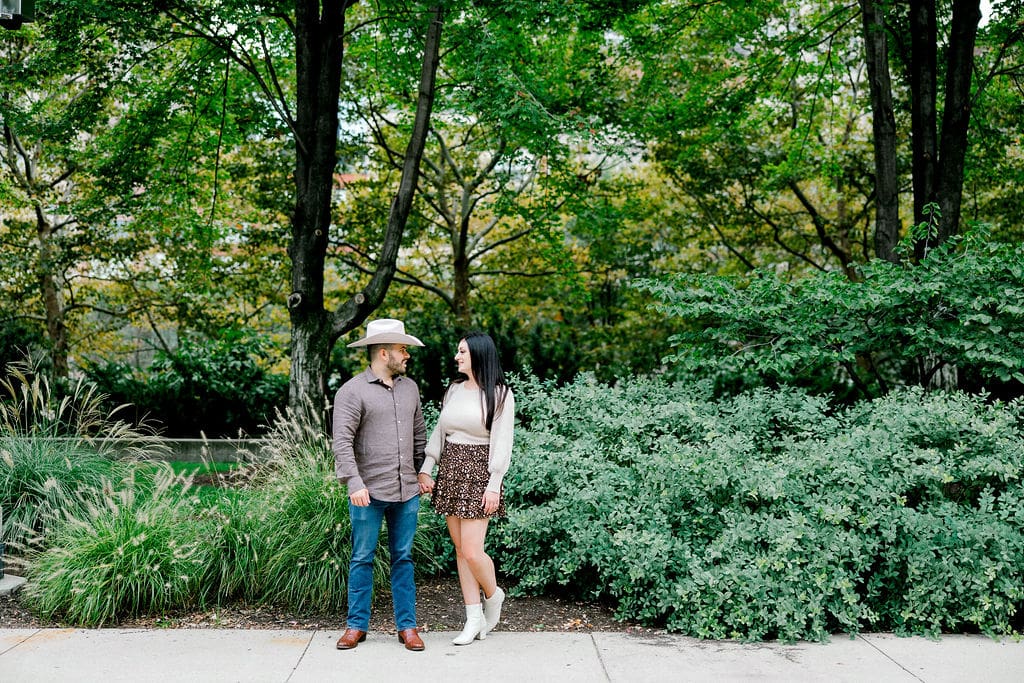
(366, 521)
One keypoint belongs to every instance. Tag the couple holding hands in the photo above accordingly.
(384, 458)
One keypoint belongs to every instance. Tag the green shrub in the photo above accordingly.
(898, 324)
(218, 387)
(138, 550)
(773, 514)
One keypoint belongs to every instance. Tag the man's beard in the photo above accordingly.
(395, 367)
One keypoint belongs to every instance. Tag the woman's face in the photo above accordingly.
(462, 362)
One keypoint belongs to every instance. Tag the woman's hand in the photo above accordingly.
(490, 502)
(426, 482)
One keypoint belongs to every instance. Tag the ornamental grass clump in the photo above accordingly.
(30, 407)
(55, 450)
(40, 478)
(139, 549)
(288, 540)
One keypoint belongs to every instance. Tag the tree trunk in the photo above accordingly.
(461, 285)
(883, 121)
(956, 114)
(52, 296)
(318, 61)
(21, 161)
(319, 50)
(923, 131)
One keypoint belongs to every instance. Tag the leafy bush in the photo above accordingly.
(218, 387)
(899, 325)
(138, 550)
(772, 513)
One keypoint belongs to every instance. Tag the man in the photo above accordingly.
(379, 436)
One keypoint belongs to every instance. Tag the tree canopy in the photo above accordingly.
(291, 169)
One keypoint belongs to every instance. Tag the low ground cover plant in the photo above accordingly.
(772, 514)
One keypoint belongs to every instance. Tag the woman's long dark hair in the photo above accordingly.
(483, 357)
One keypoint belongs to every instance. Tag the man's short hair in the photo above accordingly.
(373, 349)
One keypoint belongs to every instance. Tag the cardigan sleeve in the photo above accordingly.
(432, 451)
(501, 443)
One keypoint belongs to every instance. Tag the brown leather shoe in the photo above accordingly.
(350, 639)
(411, 639)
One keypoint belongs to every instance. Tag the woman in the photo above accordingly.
(472, 446)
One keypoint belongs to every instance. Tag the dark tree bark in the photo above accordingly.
(956, 114)
(923, 78)
(876, 44)
(319, 51)
(938, 155)
(319, 58)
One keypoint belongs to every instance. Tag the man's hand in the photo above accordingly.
(426, 483)
(360, 498)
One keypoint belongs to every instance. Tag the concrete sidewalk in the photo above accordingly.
(112, 655)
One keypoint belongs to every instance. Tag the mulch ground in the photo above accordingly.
(439, 608)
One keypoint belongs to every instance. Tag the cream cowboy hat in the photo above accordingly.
(386, 331)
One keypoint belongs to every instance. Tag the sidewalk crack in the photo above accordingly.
(597, 651)
(298, 662)
(24, 640)
(887, 656)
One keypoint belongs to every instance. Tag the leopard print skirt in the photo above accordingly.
(461, 481)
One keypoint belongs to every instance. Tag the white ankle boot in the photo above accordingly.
(492, 610)
(474, 627)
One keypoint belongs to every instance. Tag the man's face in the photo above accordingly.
(398, 358)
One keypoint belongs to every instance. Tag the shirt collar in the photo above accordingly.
(373, 379)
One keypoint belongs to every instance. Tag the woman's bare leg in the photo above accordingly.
(476, 569)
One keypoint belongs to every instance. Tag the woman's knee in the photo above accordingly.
(471, 554)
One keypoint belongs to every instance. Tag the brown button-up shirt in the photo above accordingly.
(379, 435)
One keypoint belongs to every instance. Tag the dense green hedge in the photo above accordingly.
(952, 320)
(770, 514)
(213, 387)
